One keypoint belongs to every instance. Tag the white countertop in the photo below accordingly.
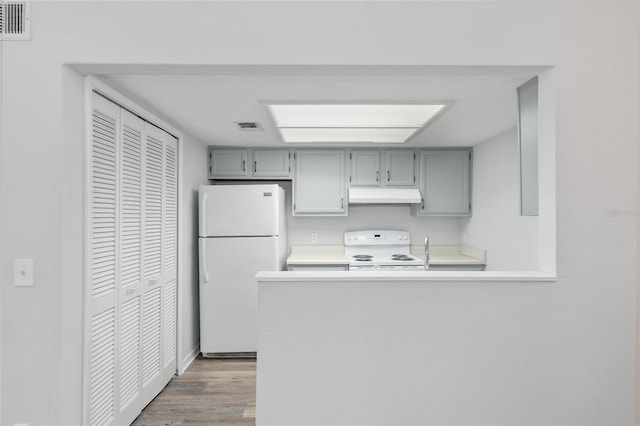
(401, 276)
(439, 255)
(452, 255)
(317, 255)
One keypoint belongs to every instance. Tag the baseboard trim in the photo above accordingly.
(187, 360)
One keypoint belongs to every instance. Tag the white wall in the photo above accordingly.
(496, 225)
(194, 174)
(592, 46)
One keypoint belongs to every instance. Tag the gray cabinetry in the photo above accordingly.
(365, 168)
(445, 182)
(271, 163)
(245, 163)
(398, 167)
(226, 163)
(319, 183)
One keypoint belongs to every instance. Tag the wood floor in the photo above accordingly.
(219, 392)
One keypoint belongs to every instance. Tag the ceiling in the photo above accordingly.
(206, 104)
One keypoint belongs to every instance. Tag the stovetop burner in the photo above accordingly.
(383, 258)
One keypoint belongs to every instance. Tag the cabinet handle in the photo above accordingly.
(255, 166)
(377, 175)
(244, 165)
(342, 203)
(422, 204)
(388, 176)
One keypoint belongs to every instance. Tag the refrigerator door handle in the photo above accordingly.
(203, 260)
(203, 214)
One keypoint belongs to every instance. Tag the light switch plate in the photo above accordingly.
(23, 272)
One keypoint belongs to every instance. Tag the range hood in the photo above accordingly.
(377, 195)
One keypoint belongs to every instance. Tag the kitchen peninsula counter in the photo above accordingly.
(379, 347)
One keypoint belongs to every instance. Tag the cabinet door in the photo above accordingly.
(319, 183)
(365, 168)
(445, 182)
(225, 163)
(399, 168)
(272, 163)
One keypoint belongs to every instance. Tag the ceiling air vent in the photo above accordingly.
(248, 126)
(14, 20)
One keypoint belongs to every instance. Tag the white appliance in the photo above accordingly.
(390, 250)
(241, 231)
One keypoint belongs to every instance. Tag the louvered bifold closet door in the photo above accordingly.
(152, 307)
(130, 349)
(130, 284)
(102, 264)
(169, 243)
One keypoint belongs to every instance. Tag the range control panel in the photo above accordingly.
(376, 238)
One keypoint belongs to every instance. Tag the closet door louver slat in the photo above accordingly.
(153, 209)
(129, 351)
(170, 208)
(102, 368)
(131, 196)
(151, 336)
(103, 204)
(169, 323)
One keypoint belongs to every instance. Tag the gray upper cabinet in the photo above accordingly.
(365, 168)
(226, 163)
(399, 167)
(245, 163)
(398, 170)
(445, 182)
(319, 185)
(271, 163)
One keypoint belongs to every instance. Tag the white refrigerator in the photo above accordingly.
(241, 231)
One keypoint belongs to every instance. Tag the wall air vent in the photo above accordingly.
(15, 22)
(248, 126)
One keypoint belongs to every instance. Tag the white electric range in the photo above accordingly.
(378, 249)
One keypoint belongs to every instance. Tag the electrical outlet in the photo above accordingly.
(23, 272)
(314, 237)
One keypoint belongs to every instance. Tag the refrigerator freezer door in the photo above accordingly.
(228, 301)
(239, 210)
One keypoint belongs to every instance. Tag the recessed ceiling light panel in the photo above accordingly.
(364, 135)
(351, 123)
